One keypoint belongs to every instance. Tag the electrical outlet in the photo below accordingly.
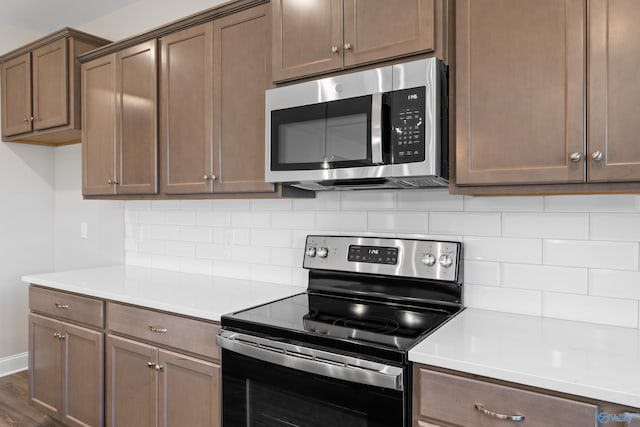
(84, 230)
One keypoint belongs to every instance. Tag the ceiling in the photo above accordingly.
(45, 16)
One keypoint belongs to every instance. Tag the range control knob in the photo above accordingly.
(322, 252)
(428, 259)
(446, 260)
(311, 252)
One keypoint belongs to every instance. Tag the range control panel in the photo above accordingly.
(425, 259)
(407, 125)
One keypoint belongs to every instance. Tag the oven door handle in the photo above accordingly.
(313, 361)
(376, 128)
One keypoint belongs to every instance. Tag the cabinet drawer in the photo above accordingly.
(164, 329)
(89, 311)
(453, 399)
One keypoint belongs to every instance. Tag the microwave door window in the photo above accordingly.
(349, 132)
(302, 142)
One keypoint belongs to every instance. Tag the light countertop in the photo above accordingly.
(596, 361)
(202, 296)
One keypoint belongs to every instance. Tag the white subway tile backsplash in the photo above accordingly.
(250, 219)
(165, 204)
(271, 274)
(213, 218)
(401, 222)
(528, 251)
(615, 283)
(341, 221)
(368, 200)
(293, 220)
(503, 204)
(213, 251)
(271, 238)
(573, 257)
(195, 204)
(557, 226)
(231, 205)
(195, 234)
(617, 227)
(324, 201)
(180, 248)
(581, 253)
(271, 205)
(592, 203)
(482, 273)
(503, 299)
(545, 278)
(463, 223)
(608, 311)
(251, 254)
(429, 200)
(164, 262)
(184, 217)
(164, 232)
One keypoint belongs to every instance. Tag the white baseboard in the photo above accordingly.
(12, 364)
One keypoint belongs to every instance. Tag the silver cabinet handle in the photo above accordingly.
(209, 177)
(151, 365)
(109, 182)
(113, 182)
(158, 367)
(59, 336)
(347, 46)
(158, 329)
(31, 118)
(499, 416)
(61, 306)
(334, 49)
(597, 155)
(26, 119)
(575, 157)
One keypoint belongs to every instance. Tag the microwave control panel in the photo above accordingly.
(407, 125)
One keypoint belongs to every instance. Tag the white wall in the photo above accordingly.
(572, 257)
(26, 225)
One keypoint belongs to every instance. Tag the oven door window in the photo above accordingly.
(329, 135)
(260, 394)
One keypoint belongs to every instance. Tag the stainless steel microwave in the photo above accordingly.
(378, 128)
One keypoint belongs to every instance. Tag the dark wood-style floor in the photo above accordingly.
(14, 408)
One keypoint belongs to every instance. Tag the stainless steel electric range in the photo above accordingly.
(337, 354)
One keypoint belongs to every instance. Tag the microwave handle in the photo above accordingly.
(376, 128)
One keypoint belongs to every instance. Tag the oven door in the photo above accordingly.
(261, 393)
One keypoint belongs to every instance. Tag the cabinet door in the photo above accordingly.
(16, 95)
(241, 75)
(51, 85)
(186, 102)
(307, 37)
(520, 91)
(137, 143)
(45, 365)
(189, 391)
(131, 383)
(614, 60)
(98, 126)
(83, 374)
(380, 29)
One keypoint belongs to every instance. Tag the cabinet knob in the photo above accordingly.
(31, 118)
(61, 306)
(334, 49)
(209, 177)
(113, 182)
(26, 119)
(347, 46)
(109, 182)
(575, 157)
(597, 155)
(151, 364)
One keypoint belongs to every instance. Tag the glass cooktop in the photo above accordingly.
(360, 321)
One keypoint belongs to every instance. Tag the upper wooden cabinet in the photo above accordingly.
(40, 88)
(119, 112)
(520, 91)
(525, 111)
(317, 36)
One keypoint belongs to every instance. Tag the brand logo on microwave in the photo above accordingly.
(412, 96)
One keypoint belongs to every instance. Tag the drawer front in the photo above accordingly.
(169, 330)
(453, 399)
(86, 310)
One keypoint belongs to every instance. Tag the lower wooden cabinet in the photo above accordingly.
(149, 386)
(66, 364)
